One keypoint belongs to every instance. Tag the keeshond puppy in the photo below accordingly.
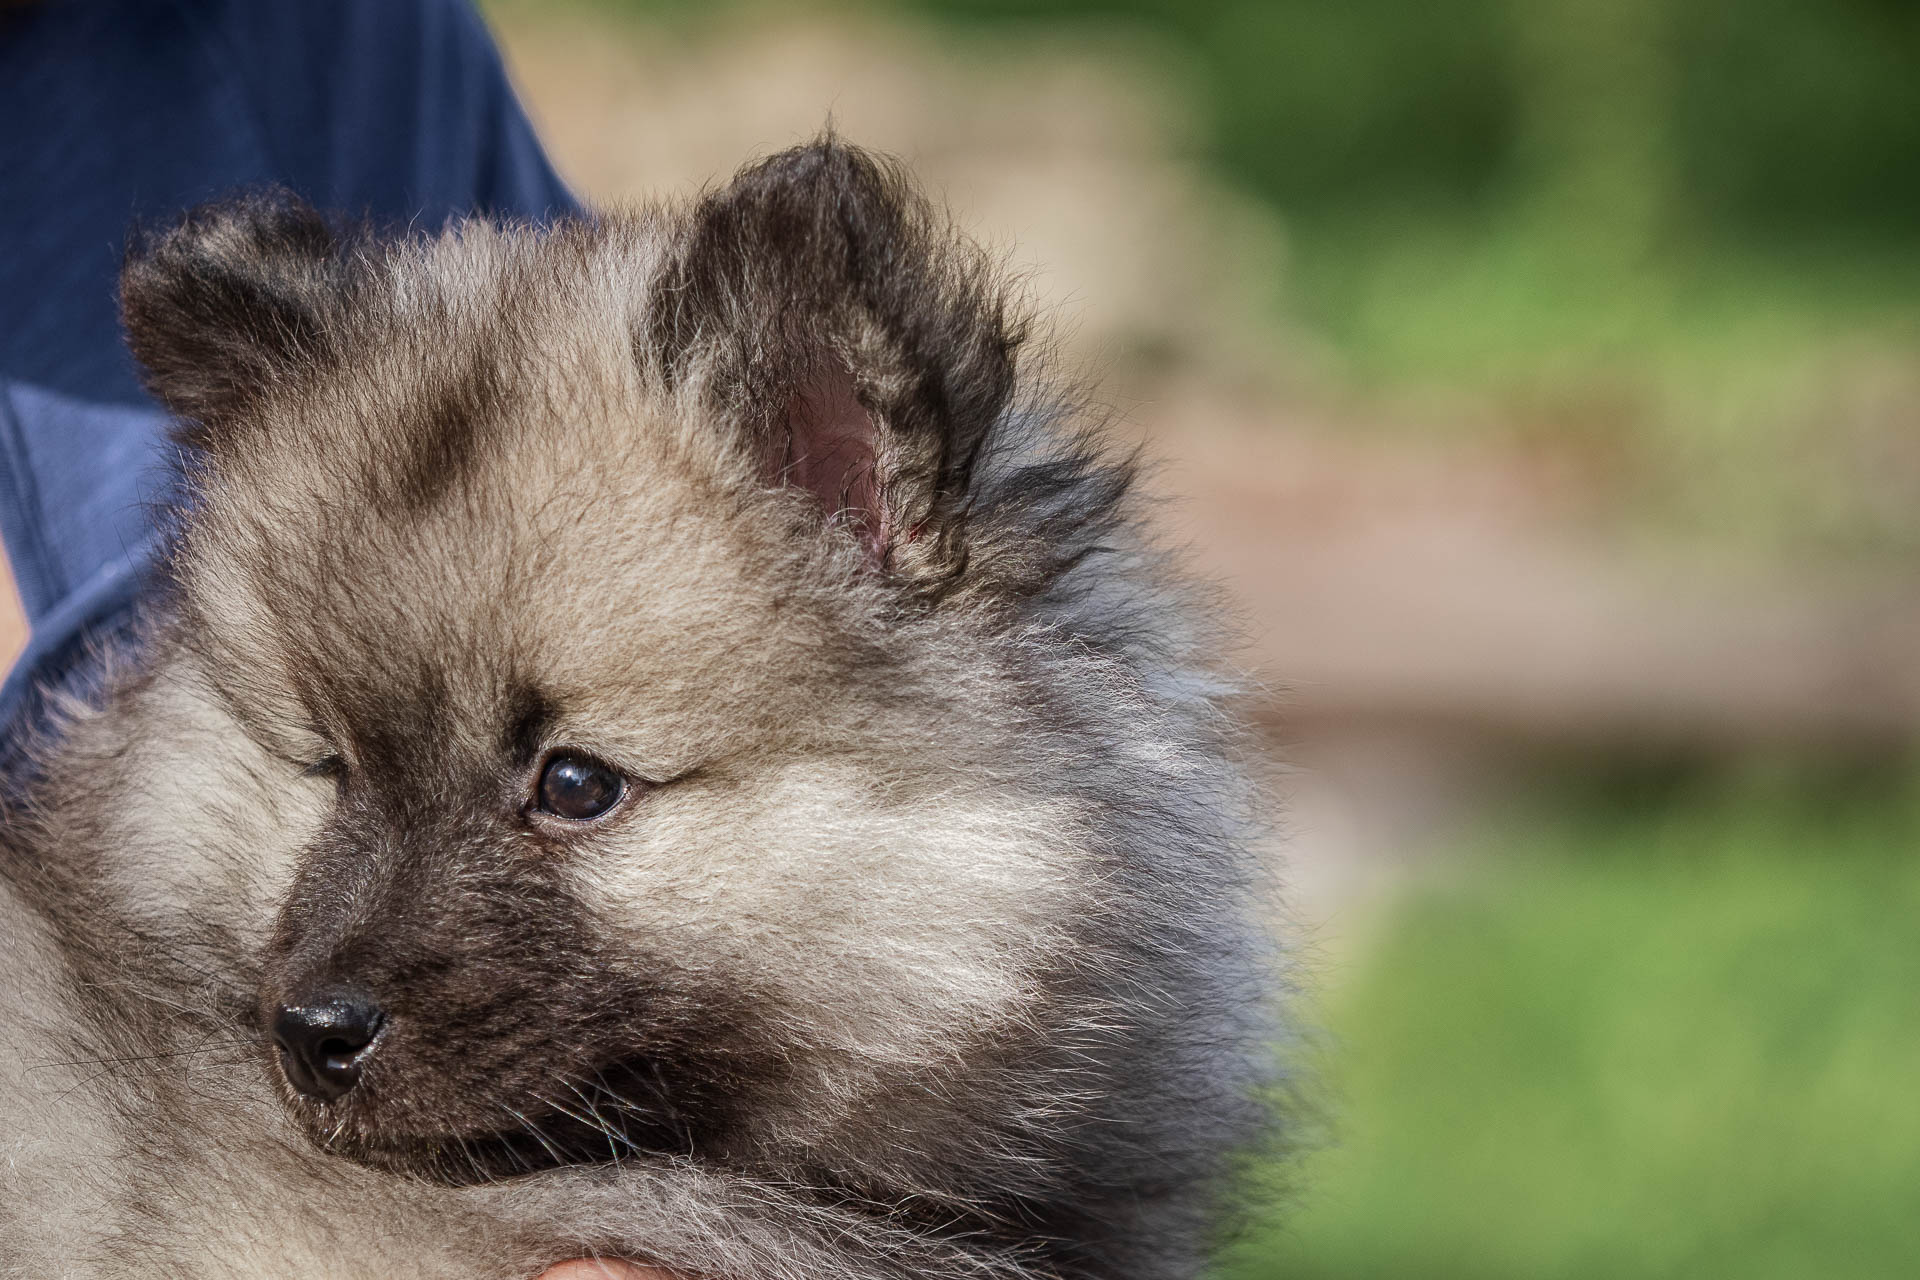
(659, 738)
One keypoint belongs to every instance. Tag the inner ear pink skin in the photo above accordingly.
(829, 446)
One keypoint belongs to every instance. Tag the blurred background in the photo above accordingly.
(1543, 379)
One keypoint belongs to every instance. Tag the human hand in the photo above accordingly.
(604, 1269)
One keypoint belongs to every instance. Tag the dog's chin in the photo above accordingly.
(621, 1115)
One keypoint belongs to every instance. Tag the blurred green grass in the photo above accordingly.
(1674, 237)
(1647, 1037)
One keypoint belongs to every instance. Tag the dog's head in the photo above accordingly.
(613, 608)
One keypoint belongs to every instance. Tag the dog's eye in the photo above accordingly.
(578, 788)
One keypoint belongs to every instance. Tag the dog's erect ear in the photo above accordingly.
(863, 350)
(232, 302)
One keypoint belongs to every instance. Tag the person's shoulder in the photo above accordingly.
(398, 108)
(380, 28)
(349, 46)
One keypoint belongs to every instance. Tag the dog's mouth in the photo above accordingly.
(541, 1144)
(619, 1114)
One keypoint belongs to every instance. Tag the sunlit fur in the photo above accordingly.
(926, 940)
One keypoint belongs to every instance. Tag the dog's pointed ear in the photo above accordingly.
(231, 303)
(862, 349)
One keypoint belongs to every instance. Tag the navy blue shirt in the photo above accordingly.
(113, 111)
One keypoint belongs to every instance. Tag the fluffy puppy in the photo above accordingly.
(660, 738)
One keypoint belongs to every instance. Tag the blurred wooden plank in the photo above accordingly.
(1404, 587)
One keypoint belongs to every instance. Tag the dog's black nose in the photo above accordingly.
(325, 1042)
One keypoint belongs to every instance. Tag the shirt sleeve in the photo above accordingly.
(400, 109)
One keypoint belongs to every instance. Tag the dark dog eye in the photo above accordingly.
(578, 788)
